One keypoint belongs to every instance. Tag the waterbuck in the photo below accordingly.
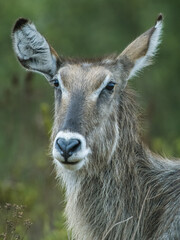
(116, 188)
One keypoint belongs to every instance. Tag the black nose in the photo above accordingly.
(67, 147)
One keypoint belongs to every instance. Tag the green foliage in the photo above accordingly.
(165, 148)
(58, 232)
(13, 225)
(76, 28)
(45, 109)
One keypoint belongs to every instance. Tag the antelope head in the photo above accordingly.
(87, 92)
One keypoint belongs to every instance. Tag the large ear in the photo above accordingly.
(32, 49)
(139, 53)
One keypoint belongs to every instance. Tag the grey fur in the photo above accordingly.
(123, 191)
(134, 185)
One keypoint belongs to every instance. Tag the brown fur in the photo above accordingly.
(129, 184)
(123, 191)
(138, 47)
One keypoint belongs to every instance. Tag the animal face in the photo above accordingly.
(86, 98)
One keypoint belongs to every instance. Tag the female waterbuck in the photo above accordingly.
(116, 188)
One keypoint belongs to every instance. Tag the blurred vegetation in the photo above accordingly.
(76, 28)
(13, 225)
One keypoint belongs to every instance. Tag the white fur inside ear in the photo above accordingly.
(32, 48)
(154, 42)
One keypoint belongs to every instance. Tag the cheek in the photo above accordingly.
(57, 97)
(90, 118)
(96, 112)
(104, 137)
(94, 115)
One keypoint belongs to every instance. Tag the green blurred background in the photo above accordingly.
(88, 28)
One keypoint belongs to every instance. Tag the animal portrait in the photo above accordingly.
(116, 188)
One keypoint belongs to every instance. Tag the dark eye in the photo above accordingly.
(110, 86)
(56, 83)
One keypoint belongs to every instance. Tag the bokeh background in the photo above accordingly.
(88, 28)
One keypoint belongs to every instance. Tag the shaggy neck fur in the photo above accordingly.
(134, 196)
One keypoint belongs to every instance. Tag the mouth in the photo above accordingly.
(70, 163)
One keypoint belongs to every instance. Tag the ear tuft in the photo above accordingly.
(155, 38)
(19, 24)
(159, 18)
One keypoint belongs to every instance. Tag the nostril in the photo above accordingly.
(67, 147)
(61, 143)
(73, 146)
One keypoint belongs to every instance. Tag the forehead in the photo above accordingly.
(83, 76)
